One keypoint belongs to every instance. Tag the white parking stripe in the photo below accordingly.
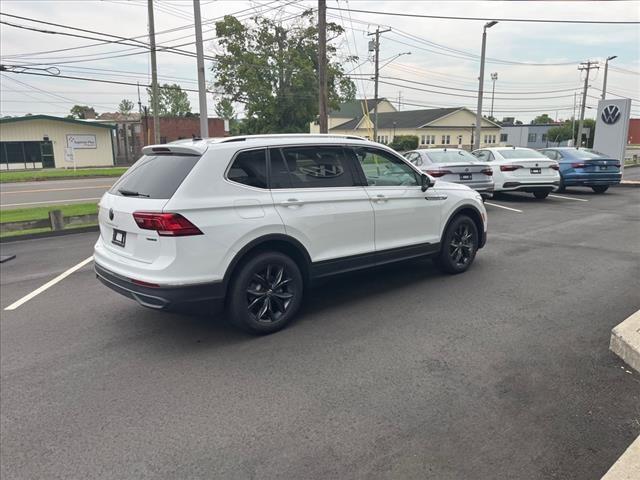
(54, 202)
(502, 206)
(49, 284)
(568, 198)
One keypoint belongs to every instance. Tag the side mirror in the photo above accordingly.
(426, 182)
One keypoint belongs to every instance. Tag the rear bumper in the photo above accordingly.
(595, 179)
(161, 298)
(530, 186)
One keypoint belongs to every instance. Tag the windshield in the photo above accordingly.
(155, 176)
(451, 156)
(524, 153)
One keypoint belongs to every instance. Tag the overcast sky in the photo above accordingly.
(522, 90)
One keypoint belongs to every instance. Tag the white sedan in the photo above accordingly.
(517, 169)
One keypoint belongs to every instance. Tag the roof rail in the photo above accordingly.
(242, 138)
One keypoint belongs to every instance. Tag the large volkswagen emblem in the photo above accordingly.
(610, 114)
(111, 214)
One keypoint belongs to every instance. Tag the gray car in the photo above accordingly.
(454, 165)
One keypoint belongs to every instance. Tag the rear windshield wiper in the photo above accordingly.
(131, 193)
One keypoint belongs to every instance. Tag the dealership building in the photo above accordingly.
(43, 141)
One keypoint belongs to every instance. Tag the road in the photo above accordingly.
(51, 192)
(401, 372)
(631, 173)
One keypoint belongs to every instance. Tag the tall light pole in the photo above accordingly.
(606, 70)
(494, 77)
(323, 113)
(476, 142)
(154, 74)
(202, 88)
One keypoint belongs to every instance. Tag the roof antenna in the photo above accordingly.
(195, 137)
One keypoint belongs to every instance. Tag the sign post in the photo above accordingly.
(69, 157)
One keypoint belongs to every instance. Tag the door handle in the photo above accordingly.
(292, 202)
(380, 199)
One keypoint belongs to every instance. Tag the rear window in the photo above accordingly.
(521, 154)
(155, 176)
(451, 156)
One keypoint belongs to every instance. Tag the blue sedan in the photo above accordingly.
(583, 167)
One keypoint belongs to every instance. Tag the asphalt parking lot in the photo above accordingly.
(502, 372)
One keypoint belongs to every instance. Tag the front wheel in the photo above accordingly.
(265, 294)
(459, 245)
(600, 188)
(541, 195)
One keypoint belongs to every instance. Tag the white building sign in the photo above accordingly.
(612, 126)
(81, 141)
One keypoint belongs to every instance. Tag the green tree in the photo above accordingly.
(560, 133)
(172, 101)
(272, 70)
(82, 111)
(125, 107)
(542, 119)
(224, 109)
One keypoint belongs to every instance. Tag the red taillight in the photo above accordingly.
(579, 165)
(166, 224)
(554, 166)
(438, 173)
(487, 171)
(144, 284)
(509, 168)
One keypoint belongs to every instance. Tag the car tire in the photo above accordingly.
(562, 187)
(265, 293)
(600, 188)
(541, 195)
(458, 251)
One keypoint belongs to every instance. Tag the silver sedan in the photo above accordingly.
(454, 165)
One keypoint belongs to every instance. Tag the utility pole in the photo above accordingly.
(154, 74)
(323, 98)
(587, 66)
(494, 77)
(573, 121)
(476, 140)
(606, 70)
(376, 47)
(202, 88)
(399, 100)
(139, 101)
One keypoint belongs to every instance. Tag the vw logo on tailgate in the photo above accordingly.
(610, 114)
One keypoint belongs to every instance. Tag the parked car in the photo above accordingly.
(517, 169)
(583, 167)
(454, 165)
(249, 222)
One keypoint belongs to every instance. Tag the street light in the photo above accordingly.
(606, 69)
(480, 84)
(494, 77)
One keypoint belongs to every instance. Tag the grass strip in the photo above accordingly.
(39, 213)
(59, 174)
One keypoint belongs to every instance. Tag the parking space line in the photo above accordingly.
(49, 284)
(568, 198)
(502, 206)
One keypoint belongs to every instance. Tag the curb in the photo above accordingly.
(59, 233)
(625, 341)
(627, 466)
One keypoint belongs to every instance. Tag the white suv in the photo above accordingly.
(249, 222)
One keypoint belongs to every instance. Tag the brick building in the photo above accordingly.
(177, 128)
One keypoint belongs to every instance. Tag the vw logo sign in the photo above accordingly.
(610, 114)
(111, 214)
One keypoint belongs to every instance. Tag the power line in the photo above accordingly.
(484, 19)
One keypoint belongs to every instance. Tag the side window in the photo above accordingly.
(482, 155)
(383, 169)
(313, 167)
(249, 168)
(491, 158)
(551, 154)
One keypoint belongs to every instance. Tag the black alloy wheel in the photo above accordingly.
(600, 188)
(459, 245)
(541, 195)
(265, 292)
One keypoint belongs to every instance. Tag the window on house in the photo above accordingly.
(446, 139)
(383, 139)
(504, 137)
(533, 137)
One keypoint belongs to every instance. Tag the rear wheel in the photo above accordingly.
(600, 188)
(541, 195)
(459, 245)
(562, 186)
(265, 294)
